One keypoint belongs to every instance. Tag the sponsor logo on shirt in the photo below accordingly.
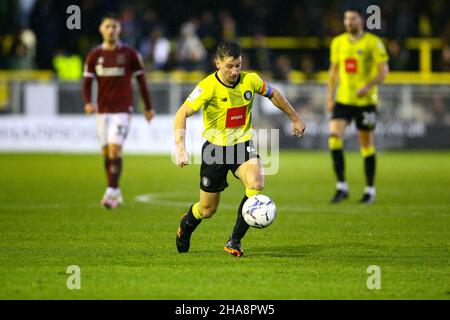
(351, 65)
(236, 117)
(109, 72)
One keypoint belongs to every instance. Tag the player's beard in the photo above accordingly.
(354, 30)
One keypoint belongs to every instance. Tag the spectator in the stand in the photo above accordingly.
(405, 20)
(399, 57)
(283, 67)
(209, 33)
(208, 27)
(47, 18)
(228, 25)
(151, 21)
(28, 37)
(445, 59)
(68, 65)
(261, 54)
(190, 52)
(44, 23)
(208, 30)
(130, 28)
(333, 25)
(18, 57)
(6, 44)
(155, 49)
(307, 65)
(23, 51)
(252, 14)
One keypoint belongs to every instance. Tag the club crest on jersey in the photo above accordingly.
(248, 95)
(251, 149)
(100, 60)
(360, 51)
(205, 181)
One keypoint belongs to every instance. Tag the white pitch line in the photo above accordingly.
(155, 198)
(152, 198)
(38, 206)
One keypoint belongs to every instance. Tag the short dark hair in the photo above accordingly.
(354, 9)
(110, 15)
(228, 49)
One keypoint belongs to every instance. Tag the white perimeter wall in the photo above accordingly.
(78, 134)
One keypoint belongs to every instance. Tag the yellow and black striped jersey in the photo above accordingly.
(358, 64)
(227, 110)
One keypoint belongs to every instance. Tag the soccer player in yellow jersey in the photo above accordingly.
(358, 65)
(226, 98)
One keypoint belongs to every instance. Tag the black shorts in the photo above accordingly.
(365, 117)
(217, 160)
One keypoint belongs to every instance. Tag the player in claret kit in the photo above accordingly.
(226, 98)
(113, 64)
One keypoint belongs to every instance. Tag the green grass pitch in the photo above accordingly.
(50, 218)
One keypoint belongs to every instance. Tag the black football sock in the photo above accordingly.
(191, 221)
(241, 227)
(369, 168)
(338, 164)
(115, 169)
(107, 164)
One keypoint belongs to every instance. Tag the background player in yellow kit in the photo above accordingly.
(358, 64)
(226, 97)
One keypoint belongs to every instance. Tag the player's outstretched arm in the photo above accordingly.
(88, 77)
(179, 127)
(333, 73)
(89, 108)
(298, 126)
(383, 70)
(148, 113)
(87, 92)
